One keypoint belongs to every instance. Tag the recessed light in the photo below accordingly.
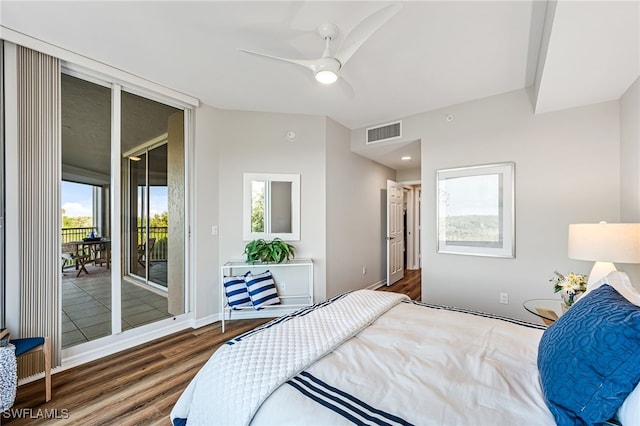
(406, 158)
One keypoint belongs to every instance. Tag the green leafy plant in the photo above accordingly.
(276, 251)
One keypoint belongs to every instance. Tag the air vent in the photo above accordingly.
(384, 133)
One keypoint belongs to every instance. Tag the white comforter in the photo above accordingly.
(413, 365)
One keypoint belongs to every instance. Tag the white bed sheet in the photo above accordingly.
(240, 375)
(429, 367)
(402, 363)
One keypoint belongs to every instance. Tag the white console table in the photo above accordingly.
(293, 280)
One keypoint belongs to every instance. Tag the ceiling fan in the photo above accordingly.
(327, 67)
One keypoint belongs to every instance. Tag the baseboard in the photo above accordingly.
(377, 285)
(209, 319)
(99, 348)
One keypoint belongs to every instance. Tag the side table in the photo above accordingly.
(547, 309)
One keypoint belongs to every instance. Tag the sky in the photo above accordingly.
(77, 199)
(471, 195)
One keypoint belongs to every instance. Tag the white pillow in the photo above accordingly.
(621, 282)
(262, 289)
(629, 412)
(237, 293)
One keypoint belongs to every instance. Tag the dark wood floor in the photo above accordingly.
(140, 385)
(409, 285)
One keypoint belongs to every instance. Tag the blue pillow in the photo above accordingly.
(237, 293)
(262, 289)
(589, 359)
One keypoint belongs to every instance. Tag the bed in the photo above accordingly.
(369, 357)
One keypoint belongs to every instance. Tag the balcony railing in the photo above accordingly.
(160, 233)
(75, 234)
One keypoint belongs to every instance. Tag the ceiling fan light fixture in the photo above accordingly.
(326, 77)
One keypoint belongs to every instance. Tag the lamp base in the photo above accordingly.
(599, 271)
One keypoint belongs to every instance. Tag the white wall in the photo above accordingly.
(256, 142)
(408, 175)
(341, 197)
(208, 121)
(567, 171)
(630, 165)
(356, 211)
(630, 154)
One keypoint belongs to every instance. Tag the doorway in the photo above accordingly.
(413, 228)
(103, 294)
(86, 173)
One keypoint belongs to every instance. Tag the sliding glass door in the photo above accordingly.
(123, 239)
(148, 203)
(153, 211)
(86, 234)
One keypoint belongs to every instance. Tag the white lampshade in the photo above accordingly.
(604, 243)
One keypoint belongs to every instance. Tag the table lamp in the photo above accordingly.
(604, 243)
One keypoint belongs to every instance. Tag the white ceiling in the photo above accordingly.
(432, 54)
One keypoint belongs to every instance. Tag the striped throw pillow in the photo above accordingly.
(262, 289)
(237, 293)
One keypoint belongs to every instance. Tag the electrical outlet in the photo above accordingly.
(504, 298)
(214, 230)
(283, 285)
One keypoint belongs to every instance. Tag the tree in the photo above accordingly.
(77, 222)
(257, 212)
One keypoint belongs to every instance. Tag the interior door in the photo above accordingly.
(395, 232)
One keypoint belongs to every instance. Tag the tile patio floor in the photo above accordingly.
(86, 305)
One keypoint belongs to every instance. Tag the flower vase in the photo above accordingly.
(569, 298)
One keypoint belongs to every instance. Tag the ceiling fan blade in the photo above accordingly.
(307, 63)
(364, 30)
(346, 88)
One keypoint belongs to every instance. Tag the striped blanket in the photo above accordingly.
(242, 374)
(415, 364)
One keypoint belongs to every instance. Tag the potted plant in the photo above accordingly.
(275, 251)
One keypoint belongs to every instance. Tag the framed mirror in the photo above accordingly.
(271, 206)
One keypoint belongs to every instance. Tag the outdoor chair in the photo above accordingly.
(142, 252)
(81, 259)
(68, 250)
(102, 254)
